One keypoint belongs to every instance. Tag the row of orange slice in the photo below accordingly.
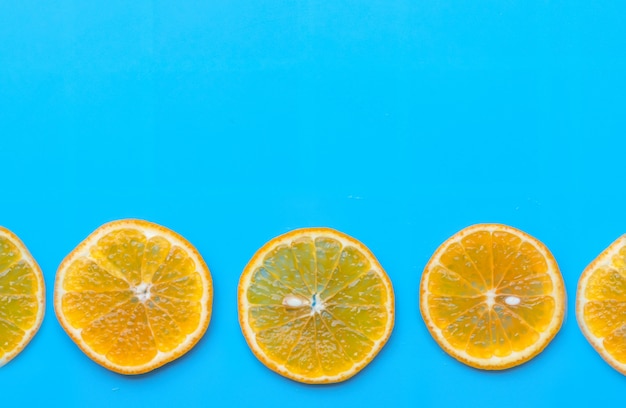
(315, 305)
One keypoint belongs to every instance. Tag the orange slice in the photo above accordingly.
(601, 304)
(492, 296)
(315, 305)
(22, 296)
(134, 296)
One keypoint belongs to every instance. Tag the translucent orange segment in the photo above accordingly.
(187, 288)
(10, 336)
(479, 342)
(367, 290)
(500, 344)
(333, 359)
(122, 335)
(167, 334)
(281, 264)
(327, 253)
(615, 344)
(536, 311)
(135, 345)
(606, 284)
(176, 266)
(369, 321)
(459, 330)
(478, 247)
(265, 289)
(352, 264)
(102, 333)
(533, 285)
(456, 260)
(18, 279)
(20, 310)
(9, 253)
(154, 257)
(442, 281)
(353, 343)
(82, 308)
(120, 253)
(186, 313)
(278, 342)
(86, 275)
(521, 335)
(527, 261)
(304, 254)
(446, 309)
(270, 316)
(303, 357)
(604, 316)
(505, 249)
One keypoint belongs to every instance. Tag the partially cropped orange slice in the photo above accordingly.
(133, 296)
(492, 296)
(601, 304)
(315, 305)
(22, 296)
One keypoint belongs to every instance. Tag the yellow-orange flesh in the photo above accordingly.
(134, 296)
(22, 297)
(601, 304)
(492, 296)
(315, 305)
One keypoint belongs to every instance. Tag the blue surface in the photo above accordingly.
(231, 122)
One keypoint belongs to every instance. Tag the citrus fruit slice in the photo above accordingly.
(315, 305)
(601, 304)
(22, 296)
(133, 296)
(492, 296)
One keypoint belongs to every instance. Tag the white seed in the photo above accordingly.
(512, 300)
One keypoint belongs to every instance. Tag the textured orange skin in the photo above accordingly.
(133, 223)
(241, 295)
(39, 274)
(431, 326)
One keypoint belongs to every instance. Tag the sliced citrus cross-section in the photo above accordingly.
(315, 305)
(22, 296)
(133, 296)
(601, 304)
(492, 296)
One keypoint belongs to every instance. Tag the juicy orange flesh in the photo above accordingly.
(605, 311)
(18, 299)
(133, 297)
(342, 332)
(497, 263)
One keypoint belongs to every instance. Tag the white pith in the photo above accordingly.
(142, 291)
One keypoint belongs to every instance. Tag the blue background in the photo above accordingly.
(231, 122)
